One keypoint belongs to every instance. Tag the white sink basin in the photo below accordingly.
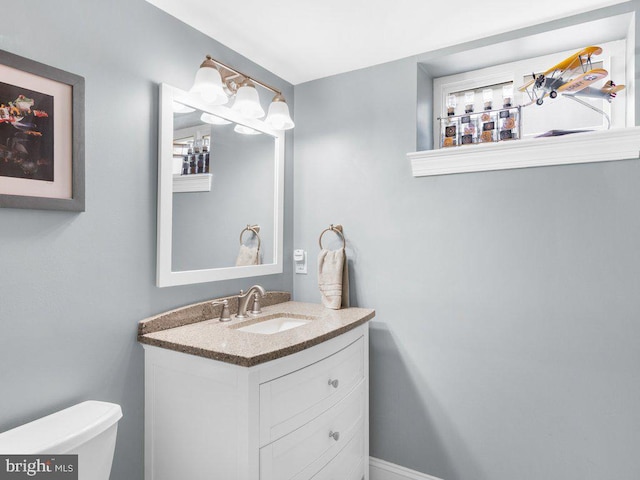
(274, 325)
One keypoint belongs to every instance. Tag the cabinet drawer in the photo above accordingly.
(304, 452)
(348, 464)
(293, 400)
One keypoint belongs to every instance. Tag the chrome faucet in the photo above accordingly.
(243, 299)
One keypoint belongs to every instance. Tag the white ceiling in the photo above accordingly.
(300, 40)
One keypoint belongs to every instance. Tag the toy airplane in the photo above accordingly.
(560, 79)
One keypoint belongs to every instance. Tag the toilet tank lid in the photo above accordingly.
(62, 431)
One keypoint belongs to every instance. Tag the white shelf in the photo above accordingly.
(599, 146)
(197, 182)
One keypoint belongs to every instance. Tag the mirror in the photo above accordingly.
(220, 193)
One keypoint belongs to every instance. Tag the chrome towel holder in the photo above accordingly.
(255, 229)
(336, 229)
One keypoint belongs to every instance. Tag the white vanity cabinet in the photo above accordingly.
(303, 416)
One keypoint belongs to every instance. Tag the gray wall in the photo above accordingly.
(505, 344)
(74, 286)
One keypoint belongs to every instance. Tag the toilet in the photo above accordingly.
(87, 429)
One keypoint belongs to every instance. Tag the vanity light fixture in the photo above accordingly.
(216, 82)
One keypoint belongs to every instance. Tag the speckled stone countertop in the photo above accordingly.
(195, 329)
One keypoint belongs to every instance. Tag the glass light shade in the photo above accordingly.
(208, 84)
(248, 103)
(213, 120)
(245, 130)
(180, 108)
(278, 117)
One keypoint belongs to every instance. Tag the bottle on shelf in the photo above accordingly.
(192, 159)
(197, 151)
(185, 162)
(205, 152)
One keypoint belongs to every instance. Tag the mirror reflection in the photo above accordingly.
(223, 195)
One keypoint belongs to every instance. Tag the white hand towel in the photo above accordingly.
(248, 256)
(333, 278)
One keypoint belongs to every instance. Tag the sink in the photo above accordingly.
(274, 325)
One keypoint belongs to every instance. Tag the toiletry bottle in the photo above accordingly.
(205, 152)
(199, 159)
(185, 162)
(192, 159)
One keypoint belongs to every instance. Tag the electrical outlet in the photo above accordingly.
(300, 261)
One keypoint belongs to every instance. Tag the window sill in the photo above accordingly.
(598, 146)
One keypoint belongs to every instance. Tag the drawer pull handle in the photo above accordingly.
(335, 435)
(333, 383)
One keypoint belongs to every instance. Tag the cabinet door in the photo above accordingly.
(292, 400)
(305, 451)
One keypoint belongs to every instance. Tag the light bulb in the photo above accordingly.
(247, 102)
(208, 83)
(278, 117)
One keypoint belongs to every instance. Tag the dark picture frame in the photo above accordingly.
(37, 140)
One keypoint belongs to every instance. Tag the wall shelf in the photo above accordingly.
(198, 182)
(598, 146)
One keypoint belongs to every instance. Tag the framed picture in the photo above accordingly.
(41, 136)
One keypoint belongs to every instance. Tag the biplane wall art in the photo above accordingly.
(41, 136)
(573, 78)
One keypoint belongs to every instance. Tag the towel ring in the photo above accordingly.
(333, 228)
(254, 229)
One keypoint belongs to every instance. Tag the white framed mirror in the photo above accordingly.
(220, 193)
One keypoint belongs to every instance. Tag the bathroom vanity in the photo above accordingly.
(236, 401)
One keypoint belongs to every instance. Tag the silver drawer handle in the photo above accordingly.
(335, 435)
(333, 383)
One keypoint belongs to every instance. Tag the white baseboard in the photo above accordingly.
(381, 470)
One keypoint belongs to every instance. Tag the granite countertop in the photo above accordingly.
(195, 329)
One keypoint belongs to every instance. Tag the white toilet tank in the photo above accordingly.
(87, 429)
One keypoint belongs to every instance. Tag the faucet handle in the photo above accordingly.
(256, 305)
(225, 316)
